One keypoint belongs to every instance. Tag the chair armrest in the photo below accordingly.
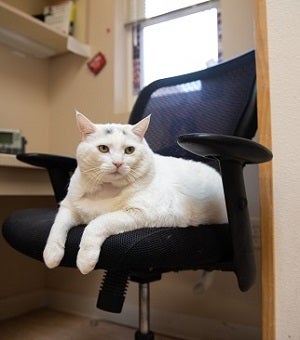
(225, 147)
(233, 153)
(58, 167)
(48, 161)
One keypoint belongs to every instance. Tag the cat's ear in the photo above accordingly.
(85, 126)
(141, 127)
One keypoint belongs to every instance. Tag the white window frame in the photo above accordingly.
(138, 26)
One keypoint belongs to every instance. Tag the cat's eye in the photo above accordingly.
(129, 150)
(103, 148)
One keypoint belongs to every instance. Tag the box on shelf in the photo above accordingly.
(61, 16)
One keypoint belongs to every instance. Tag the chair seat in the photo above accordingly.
(164, 249)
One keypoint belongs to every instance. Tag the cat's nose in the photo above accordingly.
(117, 164)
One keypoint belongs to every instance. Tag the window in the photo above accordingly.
(173, 37)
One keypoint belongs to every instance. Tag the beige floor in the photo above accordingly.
(46, 324)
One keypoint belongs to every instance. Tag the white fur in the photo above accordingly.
(114, 192)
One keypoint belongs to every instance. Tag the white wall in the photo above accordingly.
(237, 27)
(24, 100)
(284, 60)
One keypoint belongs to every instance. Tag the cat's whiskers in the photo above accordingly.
(98, 177)
(132, 175)
(94, 175)
(89, 170)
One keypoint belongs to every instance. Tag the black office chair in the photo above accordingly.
(212, 113)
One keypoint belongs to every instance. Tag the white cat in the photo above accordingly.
(121, 185)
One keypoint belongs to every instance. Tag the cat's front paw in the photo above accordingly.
(89, 251)
(87, 258)
(53, 254)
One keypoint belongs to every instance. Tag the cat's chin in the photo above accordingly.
(119, 183)
(116, 179)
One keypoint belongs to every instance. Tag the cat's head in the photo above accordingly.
(113, 153)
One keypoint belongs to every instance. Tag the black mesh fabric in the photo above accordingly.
(214, 100)
(148, 250)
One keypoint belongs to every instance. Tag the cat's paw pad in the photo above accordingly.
(87, 259)
(53, 254)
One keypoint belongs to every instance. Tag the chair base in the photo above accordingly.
(144, 332)
(141, 336)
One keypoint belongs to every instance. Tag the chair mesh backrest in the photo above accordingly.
(220, 99)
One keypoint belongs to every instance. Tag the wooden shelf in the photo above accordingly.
(7, 160)
(26, 34)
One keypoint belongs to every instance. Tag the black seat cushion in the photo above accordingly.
(164, 249)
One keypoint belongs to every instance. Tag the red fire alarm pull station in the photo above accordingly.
(97, 63)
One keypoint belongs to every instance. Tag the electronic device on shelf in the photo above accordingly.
(11, 141)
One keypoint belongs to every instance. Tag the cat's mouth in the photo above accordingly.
(116, 172)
